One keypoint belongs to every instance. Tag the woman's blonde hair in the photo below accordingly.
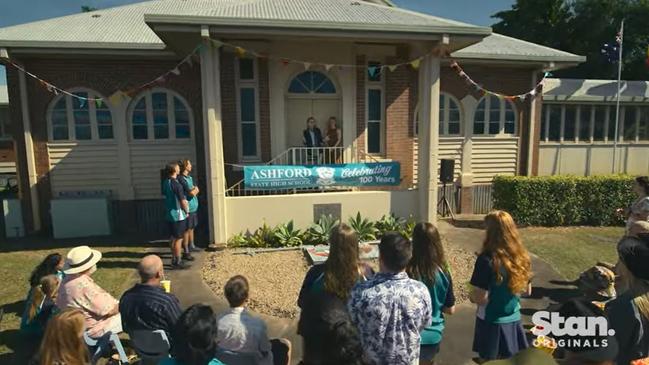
(504, 244)
(341, 267)
(48, 287)
(638, 288)
(63, 341)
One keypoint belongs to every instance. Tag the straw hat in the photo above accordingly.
(80, 259)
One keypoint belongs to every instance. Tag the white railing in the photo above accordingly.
(305, 156)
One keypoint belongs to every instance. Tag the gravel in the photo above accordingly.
(275, 278)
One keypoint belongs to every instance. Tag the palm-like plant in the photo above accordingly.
(364, 228)
(318, 233)
(287, 236)
(390, 223)
(407, 227)
(264, 236)
(238, 240)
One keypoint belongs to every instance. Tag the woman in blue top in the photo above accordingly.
(194, 338)
(501, 274)
(191, 193)
(428, 265)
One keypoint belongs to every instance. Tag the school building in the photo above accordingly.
(264, 68)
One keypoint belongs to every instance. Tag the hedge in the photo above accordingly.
(563, 200)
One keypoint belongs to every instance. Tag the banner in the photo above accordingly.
(269, 177)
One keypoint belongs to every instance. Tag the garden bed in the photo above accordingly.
(276, 277)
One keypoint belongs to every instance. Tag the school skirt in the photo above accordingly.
(498, 340)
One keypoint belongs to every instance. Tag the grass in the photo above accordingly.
(115, 273)
(571, 250)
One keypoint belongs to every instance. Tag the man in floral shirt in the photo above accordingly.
(390, 310)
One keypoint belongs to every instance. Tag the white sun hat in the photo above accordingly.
(80, 259)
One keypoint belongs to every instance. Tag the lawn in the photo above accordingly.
(115, 274)
(571, 250)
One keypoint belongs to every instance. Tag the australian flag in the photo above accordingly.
(611, 51)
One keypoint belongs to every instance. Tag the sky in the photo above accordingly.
(476, 12)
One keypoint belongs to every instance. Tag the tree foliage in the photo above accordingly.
(582, 27)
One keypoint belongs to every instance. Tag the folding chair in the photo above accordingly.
(150, 346)
(102, 345)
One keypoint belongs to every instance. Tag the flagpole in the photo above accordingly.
(617, 102)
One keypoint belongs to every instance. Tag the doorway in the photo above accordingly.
(310, 94)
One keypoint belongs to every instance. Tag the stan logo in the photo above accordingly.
(587, 331)
(325, 176)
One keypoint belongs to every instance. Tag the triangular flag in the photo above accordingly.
(175, 71)
(262, 54)
(116, 98)
(98, 103)
(161, 79)
(415, 63)
(216, 43)
(371, 70)
(240, 52)
(307, 65)
(285, 61)
(328, 67)
(392, 67)
(454, 65)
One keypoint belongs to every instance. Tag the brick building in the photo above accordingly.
(247, 101)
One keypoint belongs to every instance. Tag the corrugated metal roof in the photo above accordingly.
(498, 46)
(124, 26)
(326, 12)
(4, 95)
(594, 90)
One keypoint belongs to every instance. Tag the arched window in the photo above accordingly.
(311, 82)
(494, 116)
(160, 114)
(77, 119)
(450, 116)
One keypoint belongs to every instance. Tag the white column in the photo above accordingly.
(429, 138)
(213, 140)
(29, 153)
(530, 146)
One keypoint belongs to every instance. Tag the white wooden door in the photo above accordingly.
(299, 109)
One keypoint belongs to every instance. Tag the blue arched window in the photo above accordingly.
(312, 82)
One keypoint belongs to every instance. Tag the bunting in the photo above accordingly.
(538, 88)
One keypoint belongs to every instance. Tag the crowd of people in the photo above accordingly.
(350, 314)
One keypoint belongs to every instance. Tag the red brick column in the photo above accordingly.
(398, 118)
(229, 116)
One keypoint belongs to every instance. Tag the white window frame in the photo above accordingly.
(247, 84)
(92, 111)
(487, 115)
(4, 124)
(171, 116)
(445, 121)
(375, 85)
(608, 109)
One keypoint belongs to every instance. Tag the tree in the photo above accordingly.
(87, 8)
(582, 27)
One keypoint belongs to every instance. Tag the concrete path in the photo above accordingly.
(458, 335)
(189, 287)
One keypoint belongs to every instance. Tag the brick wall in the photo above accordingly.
(7, 153)
(399, 119)
(105, 77)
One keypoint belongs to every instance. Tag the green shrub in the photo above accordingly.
(264, 236)
(407, 227)
(563, 200)
(238, 240)
(364, 228)
(318, 233)
(390, 223)
(286, 235)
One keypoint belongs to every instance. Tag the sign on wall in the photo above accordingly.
(301, 176)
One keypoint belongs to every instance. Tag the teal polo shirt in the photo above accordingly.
(173, 194)
(503, 306)
(442, 296)
(188, 184)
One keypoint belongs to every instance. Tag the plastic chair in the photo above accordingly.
(102, 345)
(236, 358)
(150, 346)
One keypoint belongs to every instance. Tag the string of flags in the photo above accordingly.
(477, 87)
(117, 96)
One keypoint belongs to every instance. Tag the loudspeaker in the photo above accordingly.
(447, 170)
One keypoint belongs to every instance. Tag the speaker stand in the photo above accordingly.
(446, 206)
